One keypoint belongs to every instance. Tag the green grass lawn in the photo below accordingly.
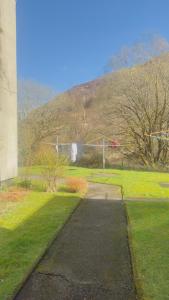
(69, 171)
(136, 184)
(26, 229)
(149, 225)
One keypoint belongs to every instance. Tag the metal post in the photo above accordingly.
(104, 160)
(57, 147)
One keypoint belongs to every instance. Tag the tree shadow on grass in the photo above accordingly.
(22, 247)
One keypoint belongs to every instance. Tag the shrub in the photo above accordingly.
(39, 185)
(76, 185)
(54, 166)
(91, 160)
(26, 184)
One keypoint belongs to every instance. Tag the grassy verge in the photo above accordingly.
(26, 229)
(149, 227)
(136, 184)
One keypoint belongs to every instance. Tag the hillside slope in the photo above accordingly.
(82, 114)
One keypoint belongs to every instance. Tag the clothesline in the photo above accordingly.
(159, 138)
(74, 147)
(155, 135)
(88, 145)
(162, 131)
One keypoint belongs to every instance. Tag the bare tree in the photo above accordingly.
(32, 95)
(139, 53)
(146, 110)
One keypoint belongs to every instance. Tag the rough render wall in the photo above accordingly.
(8, 90)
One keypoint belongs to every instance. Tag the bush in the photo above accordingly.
(91, 160)
(26, 184)
(76, 185)
(54, 164)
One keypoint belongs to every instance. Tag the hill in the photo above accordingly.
(83, 113)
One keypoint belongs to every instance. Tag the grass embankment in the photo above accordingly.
(26, 229)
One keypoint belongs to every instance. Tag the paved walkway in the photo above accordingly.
(90, 259)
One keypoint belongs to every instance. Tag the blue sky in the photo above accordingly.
(62, 43)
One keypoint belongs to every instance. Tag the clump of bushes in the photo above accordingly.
(76, 185)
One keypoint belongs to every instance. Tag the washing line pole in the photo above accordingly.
(104, 160)
(57, 144)
(103, 147)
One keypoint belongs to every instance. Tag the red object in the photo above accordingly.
(114, 144)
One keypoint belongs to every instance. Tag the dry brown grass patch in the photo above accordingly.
(13, 194)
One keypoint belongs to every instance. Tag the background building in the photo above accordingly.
(8, 90)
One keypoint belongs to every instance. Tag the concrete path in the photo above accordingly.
(90, 259)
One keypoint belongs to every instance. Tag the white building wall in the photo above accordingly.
(8, 90)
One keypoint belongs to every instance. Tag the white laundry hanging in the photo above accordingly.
(73, 152)
(57, 148)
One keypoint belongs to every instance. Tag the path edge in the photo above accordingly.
(42, 255)
(137, 281)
